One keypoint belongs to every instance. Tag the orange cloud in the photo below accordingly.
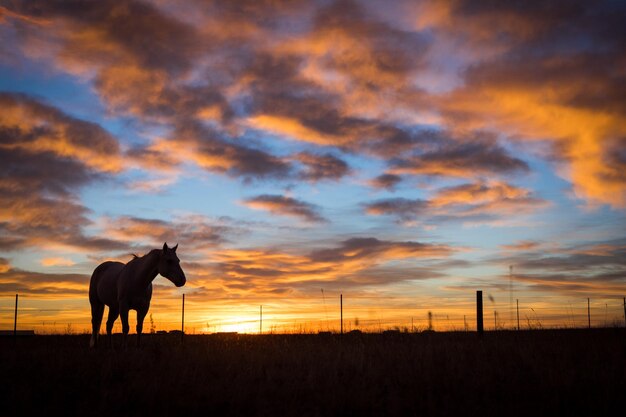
(5, 265)
(353, 264)
(522, 245)
(540, 83)
(581, 136)
(39, 128)
(47, 157)
(288, 206)
(6, 13)
(57, 261)
(496, 198)
(339, 75)
(478, 201)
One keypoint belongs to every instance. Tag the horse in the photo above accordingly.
(124, 287)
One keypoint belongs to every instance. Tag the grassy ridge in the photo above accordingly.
(550, 372)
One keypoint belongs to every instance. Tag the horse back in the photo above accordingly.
(103, 284)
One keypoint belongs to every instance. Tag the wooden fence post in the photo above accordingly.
(479, 312)
(341, 313)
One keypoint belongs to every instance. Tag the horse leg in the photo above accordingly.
(113, 313)
(141, 315)
(97, 310)
(125, 327)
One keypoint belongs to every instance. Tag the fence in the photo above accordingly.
(70, 316)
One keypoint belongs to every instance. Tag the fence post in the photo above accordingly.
(341, 313)
(261, 319)
(182, 324)
(479, 312)
(588, 313)
(15, 320)
(517, 307)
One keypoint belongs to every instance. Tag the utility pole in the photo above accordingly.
(589, 313)
(261, 319)
(517, 306)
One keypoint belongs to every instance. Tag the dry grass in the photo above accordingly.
(549, 372)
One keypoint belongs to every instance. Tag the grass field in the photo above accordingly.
(528, 373)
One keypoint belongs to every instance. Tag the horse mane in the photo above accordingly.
(135, 256)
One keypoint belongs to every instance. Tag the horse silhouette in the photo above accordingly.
(124, 287)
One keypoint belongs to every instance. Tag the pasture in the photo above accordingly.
(527, 373)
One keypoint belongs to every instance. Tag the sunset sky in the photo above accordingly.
(402, 153)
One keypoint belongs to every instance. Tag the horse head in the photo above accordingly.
(169, 266)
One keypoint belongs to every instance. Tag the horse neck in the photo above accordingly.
(148, 268)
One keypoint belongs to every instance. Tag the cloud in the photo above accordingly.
(548, 78)
(47, 157)
(386, 181)
(42, 285)
(321, 167)
(57, 261)
(5, 265)
(475, 156)
(522, 245)
(479, 202)
(582, 259)
(215, 153)
(316, 121)
(352, 263)
(609, 285)
(594, 268)
(493, 198)
(402, 208)
(37, 128)
(356, 249)
(350, 76)
(192, 232)
(286, 206)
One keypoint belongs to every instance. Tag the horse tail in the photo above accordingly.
(93, 282)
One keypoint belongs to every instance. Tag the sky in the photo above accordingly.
(404, 154)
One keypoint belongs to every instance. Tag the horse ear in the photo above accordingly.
(165, 247)
(175, 247)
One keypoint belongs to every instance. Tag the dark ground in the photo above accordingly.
(528, 373)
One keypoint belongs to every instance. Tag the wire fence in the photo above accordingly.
(72, 317)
